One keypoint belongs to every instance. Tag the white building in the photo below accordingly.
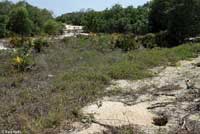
(3, 44)
(73, 29)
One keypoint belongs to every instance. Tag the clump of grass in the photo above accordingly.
(127, 70)
(82, 86)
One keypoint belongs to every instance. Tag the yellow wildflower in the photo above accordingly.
(18, 60)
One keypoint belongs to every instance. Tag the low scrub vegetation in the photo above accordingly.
(43, 84)
(127, 43)
(25, 49)
(148, 41)
(38, 44)
(70, 74)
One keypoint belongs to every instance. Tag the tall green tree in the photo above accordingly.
(36, 15)
(5, 7)
(116, 19)
(184, 20)
(52, 27)
(159, 15)
(3, 23)
(19, 21)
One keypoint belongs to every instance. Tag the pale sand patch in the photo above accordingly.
(2, 47)
(118, 114)
(171, 75)
(3, 44)
(195, 117)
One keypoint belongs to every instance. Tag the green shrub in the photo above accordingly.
(102, 42)
(154, 40)
(126, 43)
(127, 70)
(162, 39)
(22, 59)
(17, 42)
(148, 41)
(20, 63)
(53, 27)
(39, 43)
(3, 30)
(87, 75)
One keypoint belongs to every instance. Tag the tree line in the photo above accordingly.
(26, 20)
(179, 19)
(116, 19)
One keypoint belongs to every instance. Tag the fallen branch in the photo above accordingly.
(163, 94)
(164, 104)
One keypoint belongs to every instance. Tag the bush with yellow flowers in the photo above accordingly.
(23, 55)
(20, 63)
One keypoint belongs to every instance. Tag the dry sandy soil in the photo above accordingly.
(173, 95)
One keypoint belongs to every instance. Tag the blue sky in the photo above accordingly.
(63, 6)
